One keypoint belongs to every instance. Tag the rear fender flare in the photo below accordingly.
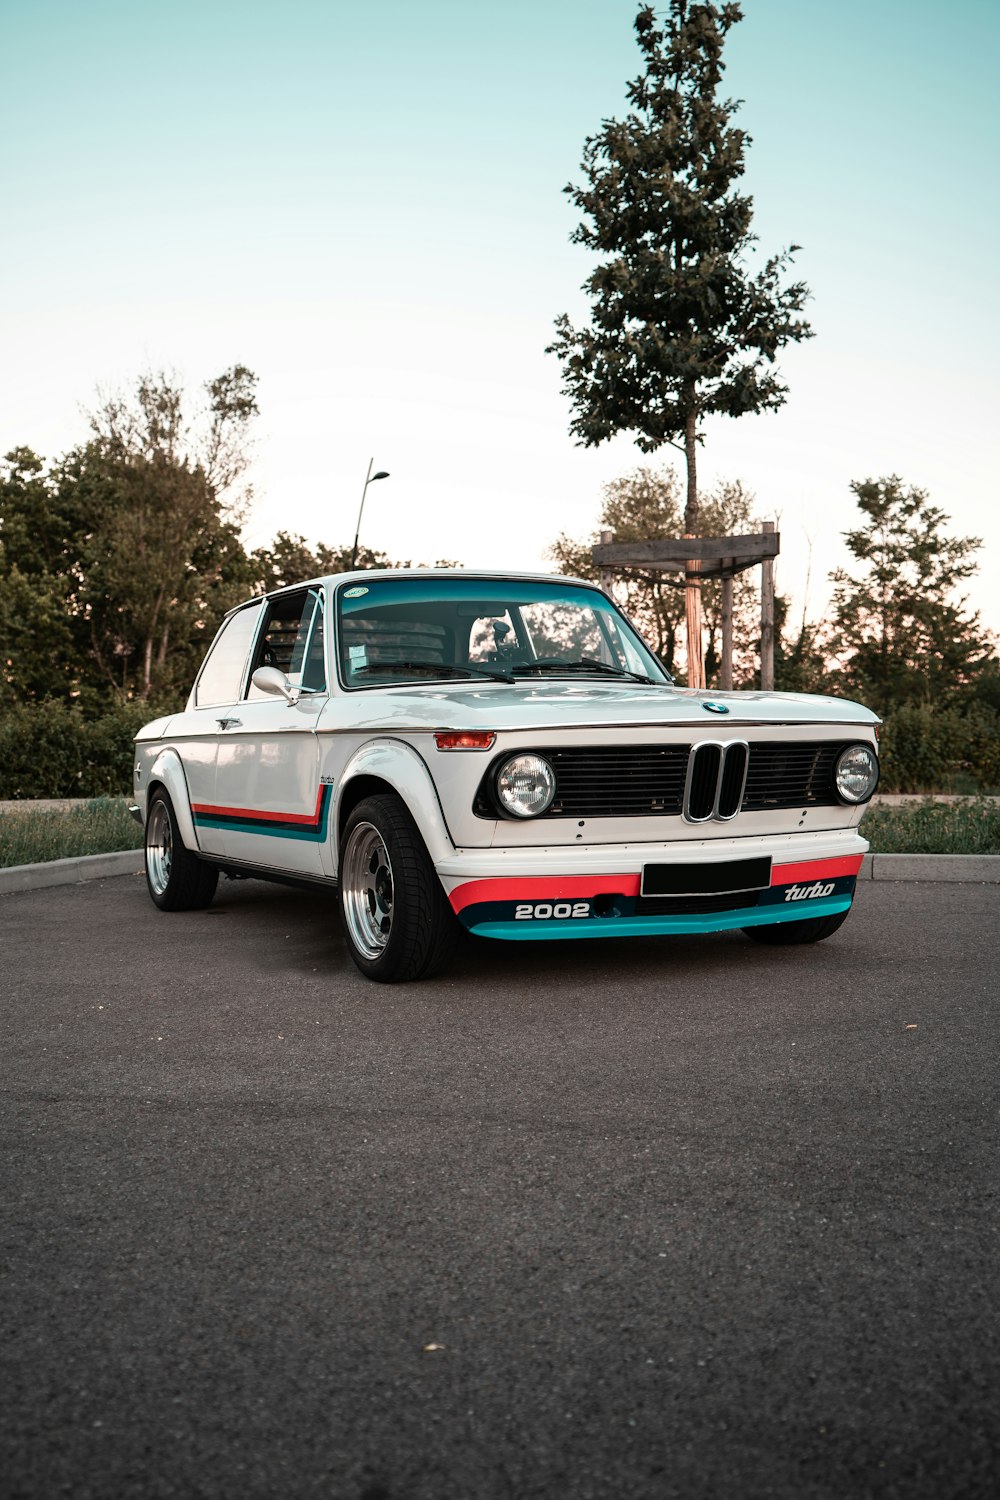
(401, 768)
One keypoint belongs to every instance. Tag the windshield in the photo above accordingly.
(396, 630)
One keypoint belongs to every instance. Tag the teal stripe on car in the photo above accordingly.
(316, 835)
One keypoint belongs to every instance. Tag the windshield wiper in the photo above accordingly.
(584, 664)
(438, 668)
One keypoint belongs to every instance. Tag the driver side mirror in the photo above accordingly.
(270, 680)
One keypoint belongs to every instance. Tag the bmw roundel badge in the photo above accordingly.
(716, 708)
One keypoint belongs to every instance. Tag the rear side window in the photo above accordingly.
(292, 641)
(221, 677)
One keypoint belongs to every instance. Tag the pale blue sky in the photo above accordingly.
(363, 204)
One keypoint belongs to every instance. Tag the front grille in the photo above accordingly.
(623, 781)
(733, 776)
(705, 762)
(782, 775)
(644, 781)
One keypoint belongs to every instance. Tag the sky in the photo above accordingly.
(363, 203)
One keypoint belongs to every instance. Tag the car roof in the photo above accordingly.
(333, 579)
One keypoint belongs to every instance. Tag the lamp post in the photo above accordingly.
(382, 474)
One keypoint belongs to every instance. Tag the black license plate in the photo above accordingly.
(720, 878)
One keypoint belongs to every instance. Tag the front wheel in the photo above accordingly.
(808, 930)
(397, 920)
(177, 879)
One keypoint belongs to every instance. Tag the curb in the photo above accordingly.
(71, 871)
(967, 868)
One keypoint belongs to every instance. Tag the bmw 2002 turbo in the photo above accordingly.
(500, 752)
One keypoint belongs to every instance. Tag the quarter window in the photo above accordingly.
(221, 677)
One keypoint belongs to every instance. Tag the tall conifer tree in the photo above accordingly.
(680, 327)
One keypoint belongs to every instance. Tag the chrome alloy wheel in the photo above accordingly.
(159, 847)
(367, 890)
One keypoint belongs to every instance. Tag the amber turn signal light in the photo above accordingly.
(466, 739)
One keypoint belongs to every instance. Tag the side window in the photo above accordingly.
(292, 641)
(221, 677)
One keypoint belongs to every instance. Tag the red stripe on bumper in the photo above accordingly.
(816, 869)
(542, 888)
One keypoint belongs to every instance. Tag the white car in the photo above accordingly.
(500, 751)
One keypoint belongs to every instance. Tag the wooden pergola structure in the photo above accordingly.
(717, 557)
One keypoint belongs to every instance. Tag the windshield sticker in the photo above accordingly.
(354, 593)
(359, 656)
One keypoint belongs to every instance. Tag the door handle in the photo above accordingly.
(230, 723)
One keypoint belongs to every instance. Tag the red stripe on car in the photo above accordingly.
(253, 814)
(815, 869)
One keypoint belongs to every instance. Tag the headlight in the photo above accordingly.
(525, 785)
(856, 773)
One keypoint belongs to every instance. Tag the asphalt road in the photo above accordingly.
(679, 1217)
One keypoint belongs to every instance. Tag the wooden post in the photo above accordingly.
(692, 612)
(767, 619)
(726, 665)
(606, 576)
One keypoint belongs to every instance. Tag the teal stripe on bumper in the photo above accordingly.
(723, 921)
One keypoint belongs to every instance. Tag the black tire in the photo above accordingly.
(397, 921)
(176, 879)
(809, 930)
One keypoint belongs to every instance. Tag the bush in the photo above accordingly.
(925, 750)
(969, 826)
(49, 749)
(34, 835)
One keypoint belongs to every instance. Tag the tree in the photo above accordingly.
(680, 328)
(290, 559)
(117, 563)
(160, 556)
(899, 633)
(644, 506)
(800, 664)
(38, 645)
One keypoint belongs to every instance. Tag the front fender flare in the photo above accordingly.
(399, 765)
(168, 770)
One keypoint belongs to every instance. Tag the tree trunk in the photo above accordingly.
(692, 592)
(147, 665)
(147, 662)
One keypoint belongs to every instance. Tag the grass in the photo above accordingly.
(971, 827)
(36, 835)
(103, 826)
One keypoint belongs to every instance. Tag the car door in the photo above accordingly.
(196, 733)
(270, 805)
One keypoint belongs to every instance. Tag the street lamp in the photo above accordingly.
(382, 474)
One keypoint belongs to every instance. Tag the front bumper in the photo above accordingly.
(528, 895)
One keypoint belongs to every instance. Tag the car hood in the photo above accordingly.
(562, 704)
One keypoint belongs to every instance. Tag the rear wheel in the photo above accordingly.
(397, 920)
(177, 879)
(809, 930)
